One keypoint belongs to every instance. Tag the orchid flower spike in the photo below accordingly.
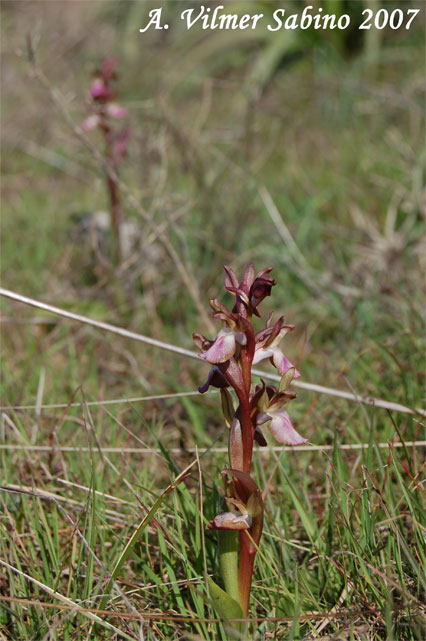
(236, 348)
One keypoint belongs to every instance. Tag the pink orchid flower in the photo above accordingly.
(224, 346)
(281, 426)
(267, 347)
(238, 518)
(277, 358)
(116, 111)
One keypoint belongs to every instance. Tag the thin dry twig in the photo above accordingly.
(213, 450)
(116, 401)
(167, 616)
(366, 400)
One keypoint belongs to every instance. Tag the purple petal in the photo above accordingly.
(261, 288)
(259, 438)
(247, 279)
(283, 431)
(266, 270)
(221, 311)
(231, 280)
(215, 379)
(222, 349)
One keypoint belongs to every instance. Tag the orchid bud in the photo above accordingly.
(263, 402)
(286, 379)
(98, 88)
(261, 287)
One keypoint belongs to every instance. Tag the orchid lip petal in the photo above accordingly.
(283, 431)
(260, 354)
(281, 362)
(222, 349)
(230, 521)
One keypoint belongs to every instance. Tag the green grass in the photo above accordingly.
(336, 138)
(353, 531)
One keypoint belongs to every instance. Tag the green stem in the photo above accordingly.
(228, 560)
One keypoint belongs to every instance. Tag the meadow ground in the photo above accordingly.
(305, 154)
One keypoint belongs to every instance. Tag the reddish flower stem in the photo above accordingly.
(114, 196)
(115, 215)
(247, 427)
(245, 574)
(246, 369)
(247, 551)
(247, 431)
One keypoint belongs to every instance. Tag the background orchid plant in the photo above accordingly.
(233, 352)
(105, 110)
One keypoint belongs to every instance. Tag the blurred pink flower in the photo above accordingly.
(116, 111)
(91, 122)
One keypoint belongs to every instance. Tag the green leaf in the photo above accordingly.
(228, 560)
(226, 607)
